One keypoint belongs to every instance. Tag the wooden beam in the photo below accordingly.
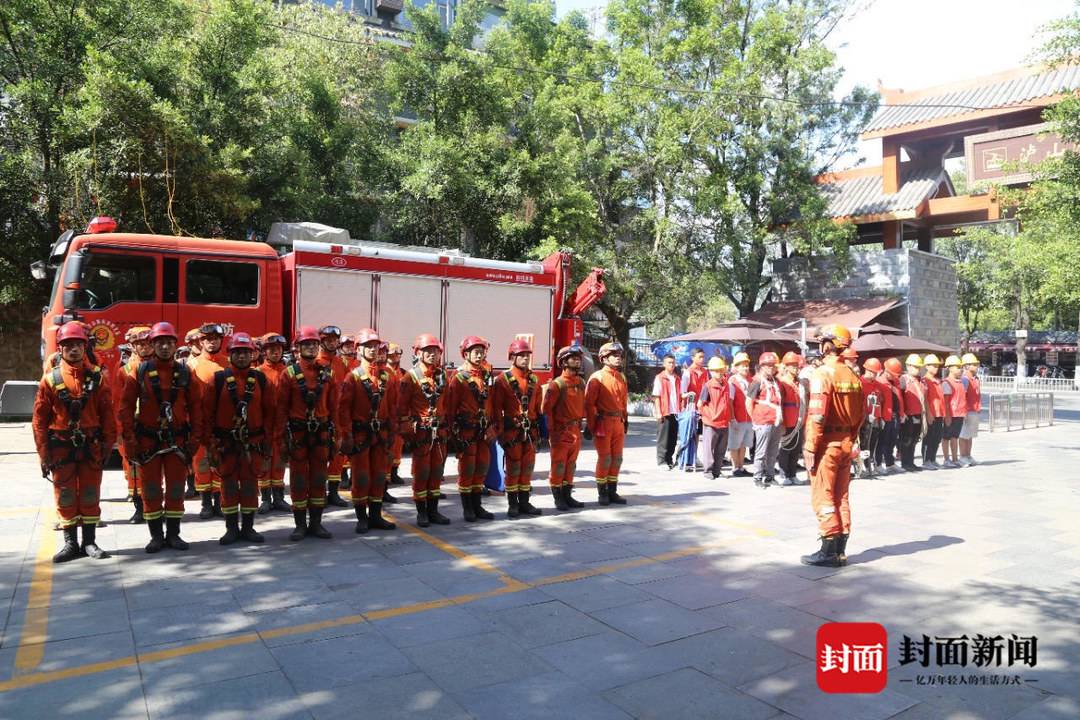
(964, 204)
(890, 166)
(890, 231)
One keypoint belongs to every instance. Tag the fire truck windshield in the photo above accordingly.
(106, 278)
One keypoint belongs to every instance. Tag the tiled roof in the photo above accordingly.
(865, 195)
(1013, 91)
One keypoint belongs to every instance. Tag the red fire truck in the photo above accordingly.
(114, 281)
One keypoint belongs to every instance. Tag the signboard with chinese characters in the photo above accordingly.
(1007, 157)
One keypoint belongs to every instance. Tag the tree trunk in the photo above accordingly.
(1022, 322)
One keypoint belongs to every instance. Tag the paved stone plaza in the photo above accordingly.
(688, 603)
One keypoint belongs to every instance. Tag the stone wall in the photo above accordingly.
(926, 281)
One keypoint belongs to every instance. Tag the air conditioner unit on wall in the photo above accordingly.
(391, 7)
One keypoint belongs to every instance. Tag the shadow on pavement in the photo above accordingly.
(908, 548)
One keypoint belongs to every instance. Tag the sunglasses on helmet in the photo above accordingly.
(330, 330)
(211, 329)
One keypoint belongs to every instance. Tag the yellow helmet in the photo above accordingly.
(717, 363)
(969, 359)
(741, 358)
(952, 361)
(931, 359)
(915, 360)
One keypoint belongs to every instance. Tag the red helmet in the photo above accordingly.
(873, 365)
(893, 365)
(849, 354)
(768, 358)
(367, 335)
(162, 329)
(241, 341)
(426, 340)
(518, 347)
(839, 335)
(567, 352)
(472, 341)
(792, 358)
(305, 333)
(273, 339)
(611, 348)
(70, 331)
(330, 330)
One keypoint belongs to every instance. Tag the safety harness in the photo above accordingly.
(166, 438)
(375, 393)
(310, 425)
(521, 423)
(74, 439)
(480, 393)
(239, 438)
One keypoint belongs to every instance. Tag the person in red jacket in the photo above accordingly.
(422, 415)
(564, 409)
(891, 416)
(669, 390)
(606, 420)
(913, 425)
(955, 393)
(306, 407)
(763, 402)
(74, 430)
(741, 427)
(329, 342)
(272, 484)
(714, 406)
(516, 414)
(974, 405)
(870, 433)
(468, 404)
(935, 412)
(210, 360)
(793, 413)
(161, 421)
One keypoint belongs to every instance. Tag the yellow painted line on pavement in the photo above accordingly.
(35, 630)
(470, 560)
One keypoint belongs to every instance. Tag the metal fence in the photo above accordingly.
(999, 384)
(1019, 411)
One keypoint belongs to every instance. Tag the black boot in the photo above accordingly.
(568, 496)
(207, 510)
(433, 511)
(395, 476)
(172, 534)
(525, 506)
(422, 519)
(247, 528)
(387, 498)
(375, 519)
(602, 493)
(478, 508)
(137, 517)
(157, 538)
(264, 506)
(560, 498)
(190, 492)
(613, 493)
(826, 556)
(361, 519)
(71, 550)
(232, 529)
(278, 502)
(315, 526)
(513, 509)
(346, 479)
(467, 507)
(841, 549)
(217, 504)
(332, 497)
(89, 543)
(300, 519)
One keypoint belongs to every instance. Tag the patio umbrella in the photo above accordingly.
(881, 329)
(889, 344)
(737, 332)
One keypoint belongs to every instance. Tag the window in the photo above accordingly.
(213, 282)
(447, 10)
(108, 278)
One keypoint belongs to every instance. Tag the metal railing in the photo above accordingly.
(1019, 411)
(999, 384)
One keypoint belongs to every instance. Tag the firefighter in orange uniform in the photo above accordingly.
(832, 430)
(306, 407)
(139, 338)
(161, 422)
(348, 351)
(329, 342)
(382, 364)
(516, 414)
(365, 421)
(468, 405)
(606, 421)
(422, 412)
(272, 484)
(397, 448)
(564, 408)
(209, 362)
(192, 338)
(74, 430)
(239, 410)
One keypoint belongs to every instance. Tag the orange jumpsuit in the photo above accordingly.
(239, 410)
(422, 411)
(206, 480)
(338, 370)
(124, 374)
(366, 415)
(564, 406)
(468, 406)
(305, 416)
(147, 429)
(397, 447)
(605, 416)
(74, 430)
(275, 476)
(834, 417)
(516, 414)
